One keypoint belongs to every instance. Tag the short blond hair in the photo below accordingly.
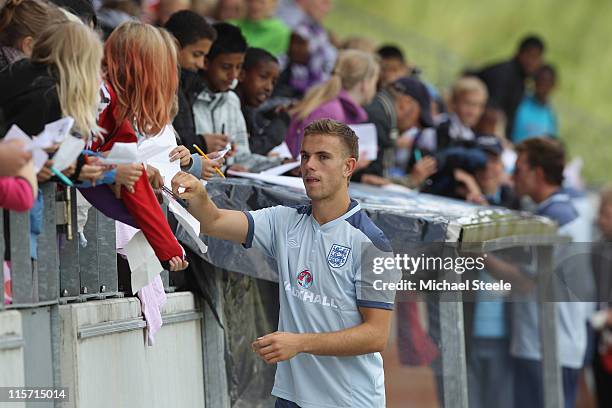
(467, 85)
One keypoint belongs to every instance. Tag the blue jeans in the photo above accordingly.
(283, 403)
(529, 386)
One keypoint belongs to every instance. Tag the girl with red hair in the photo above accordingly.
(138, 99)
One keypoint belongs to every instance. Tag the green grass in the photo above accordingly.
(443, 37)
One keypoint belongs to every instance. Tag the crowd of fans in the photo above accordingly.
(250, 75)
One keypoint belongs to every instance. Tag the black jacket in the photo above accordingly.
(190, 85)
(266, 129)
(506, 84)
(29, 96)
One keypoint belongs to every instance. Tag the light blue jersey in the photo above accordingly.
(321, 288)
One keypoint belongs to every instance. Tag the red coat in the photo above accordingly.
(142, 203)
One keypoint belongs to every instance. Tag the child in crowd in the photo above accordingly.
(216, 109)
(262, 29)
(229, 10)
(295, 77)
(468, 100)
(342, 97)
(307, 22)
(20, 24)
(535, 115)
(393, 65)
(259, 75)
(139, 94)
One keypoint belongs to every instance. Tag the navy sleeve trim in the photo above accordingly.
(251, 231)
(375, 305)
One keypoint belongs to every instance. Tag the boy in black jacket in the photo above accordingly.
(195, 37)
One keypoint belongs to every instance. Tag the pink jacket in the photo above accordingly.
(342, 109)
(16, 194)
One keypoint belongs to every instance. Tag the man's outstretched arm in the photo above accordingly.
(368, 337)
(214, 222)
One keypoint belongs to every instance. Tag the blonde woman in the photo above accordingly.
(351, 86)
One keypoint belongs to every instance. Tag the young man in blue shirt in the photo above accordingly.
(333, 320)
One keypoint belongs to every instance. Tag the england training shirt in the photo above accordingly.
(321, 286)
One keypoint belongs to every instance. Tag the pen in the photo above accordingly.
(179, 200)
(62, 177)
(206, 157)
(223, 128)
(417, 154)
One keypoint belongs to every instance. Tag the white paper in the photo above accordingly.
(39, 156)
(368, 140)
(59, 129)
(189, 223)
(282, 169)
(146, 151)
(122, 153)
(220, 153)
(163, 145)
(68, 152)
(143, 262)
(282, 150)
(15, 133)
(293, 182)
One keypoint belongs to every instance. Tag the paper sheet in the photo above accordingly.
(68, 152)
(39, 156)
(162, 145)
(15, 133)
(282, 169)
(293, 182)
(122, 153)
(59, 129)
(147, 151)
(189, 223)
(282, 150)
(144, 265)
(368, 140)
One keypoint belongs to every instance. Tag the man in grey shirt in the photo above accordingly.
(334, 316)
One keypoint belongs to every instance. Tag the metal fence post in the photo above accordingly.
(551, 370)
(452, 341)
(107, 255)
(69, 250)
(88, 255)
(21, 262)
(47, 270)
